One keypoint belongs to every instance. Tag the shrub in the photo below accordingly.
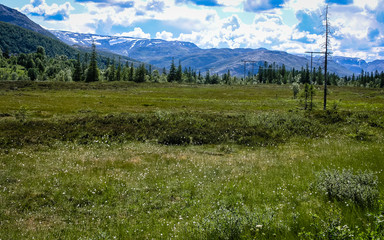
(22, 114)
(233, 223)
(360, 188)
(330, 227)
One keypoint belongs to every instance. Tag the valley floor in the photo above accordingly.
(161, 161)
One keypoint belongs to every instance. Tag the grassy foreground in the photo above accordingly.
(125, 161)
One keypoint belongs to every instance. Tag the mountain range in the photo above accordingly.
(161, 53)
(218, 60)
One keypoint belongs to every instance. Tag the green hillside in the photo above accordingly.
(19, 40)
(16, 40)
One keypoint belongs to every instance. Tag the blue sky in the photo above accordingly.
(294, 26)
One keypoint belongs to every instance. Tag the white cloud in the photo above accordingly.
(136, 33)
(367, 4)
(49, 12)
(214, 27)
(233, 33)
(311, 5)
(168, 36)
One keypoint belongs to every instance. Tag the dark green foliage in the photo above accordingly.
(6, 53)
(111, 71)
(20, 40)
(93, 71)
(179, 74)
(140, 74)
(172, 72)
(40, 53)
(118, 72)
(77, 73)
(33, 73)
(130, 73)
(168, 129)
(360, 188)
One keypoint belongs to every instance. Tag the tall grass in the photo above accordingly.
(168, 173)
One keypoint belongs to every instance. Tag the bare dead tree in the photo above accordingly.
(326, 52)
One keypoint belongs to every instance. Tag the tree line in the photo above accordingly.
(87, 67)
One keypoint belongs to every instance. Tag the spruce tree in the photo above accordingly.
(172, 72)
(111, 71)
(77, 73)
(130, 75)
(150, 73)
(207, 77)
(118, 72)
(93, 71)
(140, 74)
(179, 73)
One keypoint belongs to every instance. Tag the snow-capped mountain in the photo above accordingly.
(160, 53)
(126, 46)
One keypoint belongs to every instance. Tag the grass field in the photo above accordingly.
(162, 161)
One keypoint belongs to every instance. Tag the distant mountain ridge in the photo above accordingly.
(15, 17)
(160, 53)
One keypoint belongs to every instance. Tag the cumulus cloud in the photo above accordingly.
(234, 33)
(136, 33)
(357, 24)
(164, 35)
(49, 12)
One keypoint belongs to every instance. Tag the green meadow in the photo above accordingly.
(172, 161)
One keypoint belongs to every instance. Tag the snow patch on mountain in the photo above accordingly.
(119, 41)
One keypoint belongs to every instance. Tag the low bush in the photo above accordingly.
(185, 128)
(360, 188)
(234, 223)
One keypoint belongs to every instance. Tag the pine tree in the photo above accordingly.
(207, 77)
(126, 72)
(118, 72)
(150, 73)
(111, 72)
(130, 75)
(140, 74)
(179, 74)
(172, 72)
(77, 73)
(93, 71)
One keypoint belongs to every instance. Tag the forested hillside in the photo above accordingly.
(15, 39)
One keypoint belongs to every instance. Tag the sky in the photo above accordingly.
(294, 26)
